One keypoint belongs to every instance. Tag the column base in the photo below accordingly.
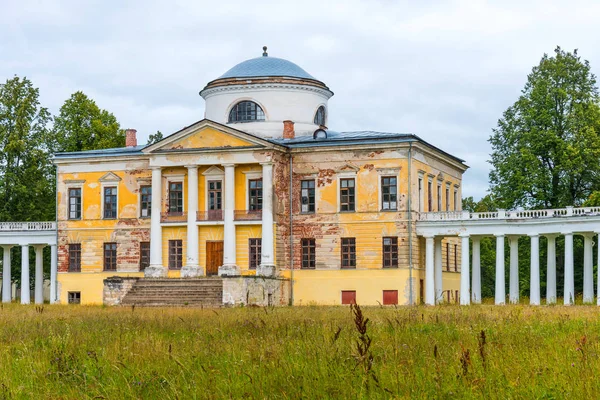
(229, 270)
(191, 271)
(155, 271)
(269, 270)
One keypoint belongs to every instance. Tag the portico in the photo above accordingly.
(514, 224)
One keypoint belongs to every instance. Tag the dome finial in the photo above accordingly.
(265, 54)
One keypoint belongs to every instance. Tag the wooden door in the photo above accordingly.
(214, 257)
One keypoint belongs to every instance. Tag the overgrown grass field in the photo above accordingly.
(78, 352)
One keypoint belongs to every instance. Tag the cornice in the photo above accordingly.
(242, 88)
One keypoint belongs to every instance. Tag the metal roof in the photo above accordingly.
(266, 66)
(117, 151)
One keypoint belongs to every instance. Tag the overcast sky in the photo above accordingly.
(443, 70)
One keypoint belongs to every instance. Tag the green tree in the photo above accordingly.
(546, 147)
(81, 125)
(593, 200)
(155, 138)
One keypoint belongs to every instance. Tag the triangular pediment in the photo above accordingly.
(348, 168)
(109, 177)
(207, 135)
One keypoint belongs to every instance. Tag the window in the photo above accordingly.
(439, 197)
(420, 194)
(390, 297)
(110, 256)
(455, 257)
(389, 193)
(246, 111)
(308, 254)
(447, 198)
(447, 256)
(74, 297)
(348, 296)
(307, 196)
(320, 116)
(175, 197)
(255, 194)
(75, 203)
(455, 200)
(75, 257)
(175, 254)
(215, 195)
(429, 197)
(146, 201)
(110, 202)
(347, 194)
(144, 255)
(390, 252)
(255, 252)
(348, 253)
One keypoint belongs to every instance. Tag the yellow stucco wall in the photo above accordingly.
(90, 285)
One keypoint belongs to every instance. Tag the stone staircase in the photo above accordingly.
(171, 292)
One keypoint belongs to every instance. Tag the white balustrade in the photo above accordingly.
(514, 214)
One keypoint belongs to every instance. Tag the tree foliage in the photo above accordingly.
(155, 138)
(546, 146)
(82, 125)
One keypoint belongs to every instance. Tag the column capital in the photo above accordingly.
(428, 236)
(588, 235)
(464, 235)
(156, 168)
(230, 165)
(192, 166)
(533, 234)
(7, 246)
(551, 235)
(499, 235)
(267, 163)
(512, 237)
(566, 233)
(38, 246)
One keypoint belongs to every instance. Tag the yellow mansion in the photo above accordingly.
(259, 198)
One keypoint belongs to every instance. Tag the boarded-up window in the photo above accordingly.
(308, 253)
(175, 254)
(307, 196)
(144, 255)
(390, 252)
(110, 256)
(348, 253)
(390, 297)
(75, 203)
(75, 257)
(389, 193)
(255, 252)
(348, 296)
(145, 201)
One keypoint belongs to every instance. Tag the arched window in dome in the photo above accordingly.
(246, 111)
(320, 116)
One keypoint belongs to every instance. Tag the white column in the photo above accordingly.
(438, 269)
(476, 290)
(429, 273)
(551, 270)
(513, 293)
(191, 267)
(39, 274)
(569, 292)
(25, 288)
(229, 266)
(534, 282)
(598, 284)
(465, 296)
(588, 268)
(267, 263)
(500, 279)
(6, 276)
(156, 268)
(53, 274)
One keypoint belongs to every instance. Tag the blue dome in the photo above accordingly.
(266, 66)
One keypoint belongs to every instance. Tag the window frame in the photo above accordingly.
(110, 259)
(254, 253)
(308, 196)
(351, 206)
(74, 250)
(170, 208)
(175, 254)
(321, 112)
(79, 206)
(348, 253)
(390, 194)
(447, 197)
(390, 252)
(104, 201)
(455, 258)
(218, 199)
(257, 197)
(309, 258)
(147, 201)
(72, 296)
(144, 258)
(258, 112)
(430, 194)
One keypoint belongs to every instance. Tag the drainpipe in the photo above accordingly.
(291, 234)
(409, 225)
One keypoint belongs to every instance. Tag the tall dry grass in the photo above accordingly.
(305, 352)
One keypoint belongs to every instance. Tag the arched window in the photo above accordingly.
(246, 111)
(320, 116)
